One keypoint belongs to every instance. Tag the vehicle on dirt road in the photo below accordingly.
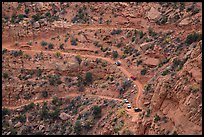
(129, 106)
(137, 109)
(118, 63)
(133, 77)
(126, 101)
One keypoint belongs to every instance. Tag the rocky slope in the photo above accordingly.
(158, 42)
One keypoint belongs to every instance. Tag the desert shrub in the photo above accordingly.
(66, 39)
(43, 43)
(27, 96)
(21, 118)
(104, 64)
(148, 113)
(44, 113)
(144, 71)
(81, 16)
(141, 34)
(50, 46)
(98, 60)
(96, 111)
(114, 32)
(36, 17)
(162, 20)
(4, 51)
(139, 62)
(74, 42)
(156, 118)
(58, 54)
(174, 133)
(38, 72)
(151, 32)
(55, 113)
(77, 127)
(5, 111)
(148, 88)
(47, 14)
(119, 44)
(176, 62)
(29, 106)
(54, 80)
(182, 6)
(16, 53)
(115, 54)
(89, 77)
(45, 93)
(127, 132)
(61, 46)
(165, 72)
(13, 18)
(26, 11)
(193, 38)
(5, 75)
(195, 11)
(56, 101)
(78, 58)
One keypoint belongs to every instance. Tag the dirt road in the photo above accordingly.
(128, 74)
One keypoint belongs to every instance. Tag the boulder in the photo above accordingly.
(153, 13)
(19, 124)
(41, 127)
(64, 116)
(185, 21)
(36, 25)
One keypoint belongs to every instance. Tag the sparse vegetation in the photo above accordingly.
(74, 42)
(143, 71)
(115, 54)
(114, 32)
(193, 38)
(44, 93)
(156, 118)
(5, 111)
(43, 43)
(88, 77)
(96, 111)
(78, 58)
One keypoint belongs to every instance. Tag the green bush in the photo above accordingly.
(5, 75)
(74, 42)
(43, 43)
(36, 17)
(78, 58)
(148, 113)
(141, 34)
(165, 72)
(55, 114)
(50, 46)
(45, 93)
(144, 71)
(5, 111)
(44, 113)
(29, 106)
(193, 38)
(77, 127)
(54, 80)
(4, 50)
(56, 101)
(96, 111)
(27, 11)
(115, 54)
(21, 118)
(89, 77)
(156, 118)
(114, 32)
